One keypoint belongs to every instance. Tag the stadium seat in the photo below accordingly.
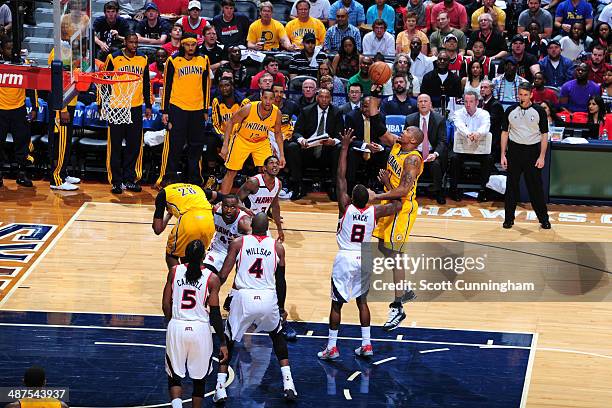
(248, 8)
(395, 124)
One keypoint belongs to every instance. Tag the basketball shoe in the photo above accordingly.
(396, 315)
(364, 351)
(220, 394)
(329, 353)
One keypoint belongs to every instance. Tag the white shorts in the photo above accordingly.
(189, 343)
(347, 281)
(252, 306)
(215, 259)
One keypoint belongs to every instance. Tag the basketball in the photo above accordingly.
(380, 73)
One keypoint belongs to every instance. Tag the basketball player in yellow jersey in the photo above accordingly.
(127, 175)
(404, 166)
(185, 102)
(35, 377)
(255, 121)
(193, 211)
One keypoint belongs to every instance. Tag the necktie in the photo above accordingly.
(425, 139)
(320, 130)
(366, 136)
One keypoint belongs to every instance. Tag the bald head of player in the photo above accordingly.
(360, 196)
(259, 225)
(411, 138)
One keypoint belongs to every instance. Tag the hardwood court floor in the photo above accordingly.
(104, 257)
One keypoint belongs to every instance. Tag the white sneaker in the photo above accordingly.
(329, 353)
(220, 395)
(289, 391)
(72, 180)
(285, 194)
(364, 351)
(65, 186)
(396, 315)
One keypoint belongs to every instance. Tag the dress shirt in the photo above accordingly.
(479, 122)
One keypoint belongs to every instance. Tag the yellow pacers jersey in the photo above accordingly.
(183, 197)
(40, 403)
(395, 166)
(11, 98)
(255, 128)
(221, 113)
(190, 83)
(271, 33)
(296, 29)
(118, 61)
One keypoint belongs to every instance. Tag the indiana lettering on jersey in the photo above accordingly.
(131, 68)
(394, 165)
(183, 282)
(301, 31)
(256, 126)
(190, 70)
(258, 251)
(264, 200)
(360, 217)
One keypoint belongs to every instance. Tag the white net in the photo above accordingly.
(116, 97)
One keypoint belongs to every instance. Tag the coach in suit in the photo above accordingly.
(319, 118)
(496, 111)
(367, 131)
(355, 93)
(434, 148)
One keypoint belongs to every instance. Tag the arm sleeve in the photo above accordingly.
(543, 123)
(281, 286)
(217, 322)
(160, 204)
(208, 193)
(146, 87)
(505, 125)
(168, 77)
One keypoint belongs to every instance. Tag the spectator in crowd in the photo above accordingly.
(478, 54)
(601, 36)
(6, 20)
(232, 28)
(319, 118)
(355, 93)
(495, 45)
(576, 93)
(354, 9)
(156, 70)
(419, 63)
(606, 86)
(265, 81)
(433, 148)
(380, 10)
(540, 92)
(574, 44)
(337, 33)
(498, 15)
(173, 7)
(175, 39)
(606, 14)
(403, 39)
(456, 12)
(216, 55)
(193, 23)
(475, 76)
(455, 59)
(153, 30)
(270, 65)
(440, 81)
(597, 64)
(132, 9)
(304, 23)
(400, 102)
(346, 62)
(309, 93)
(596, 108)
(267, 33)
(325, 68)
(535, 45)
(109, 30)
(379, 40)
(551, 113)
(472, 125)
(556, 68)
(363, 76)
(505, 87)
(437, 37)
(535, 13)
(307, 61)
(573, 11)
(401, 66)
(496, 112)
(241, 79)
(318, 9)
(527, 63)
(327, 82)
(422, 11)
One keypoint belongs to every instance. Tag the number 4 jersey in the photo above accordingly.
(189, 301)
(355, 227)
(256, 263)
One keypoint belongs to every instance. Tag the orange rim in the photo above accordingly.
(107, 77)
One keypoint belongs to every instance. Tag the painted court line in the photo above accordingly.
(44, 253)
(433, 350)
(384, 360)
(347, 394)
(309, 333)
(489, 342)
(399, 337)
(529, 371)
(354, 375)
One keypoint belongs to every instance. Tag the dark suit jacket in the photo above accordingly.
(432, 86)
(346, 108)
(354, 120)
(436, 129)
(496, 110)
(308, 121)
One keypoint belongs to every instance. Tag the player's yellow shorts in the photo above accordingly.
(396, 229)
(194, 224)
(240, 149)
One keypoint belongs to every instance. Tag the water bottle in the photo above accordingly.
(604, 136)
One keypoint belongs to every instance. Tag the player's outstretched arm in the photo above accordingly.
(410, 172)
(341, 187)
(276, 216)
(167, 297)
(388, 209)
(214, 284)
(230, 260)
(279, 276)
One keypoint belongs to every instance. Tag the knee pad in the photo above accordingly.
(198, 388)
(280, 345)
(174, 381)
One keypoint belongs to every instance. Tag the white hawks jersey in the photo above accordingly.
(355, 227)
(262, 199)
(225, 233)
(256, 263)
(189, 301)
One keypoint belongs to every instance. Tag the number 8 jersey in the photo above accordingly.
(256, 263)
(355, 226)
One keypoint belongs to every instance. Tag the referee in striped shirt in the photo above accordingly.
(524, 140)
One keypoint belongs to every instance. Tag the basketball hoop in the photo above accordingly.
(115, 92)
